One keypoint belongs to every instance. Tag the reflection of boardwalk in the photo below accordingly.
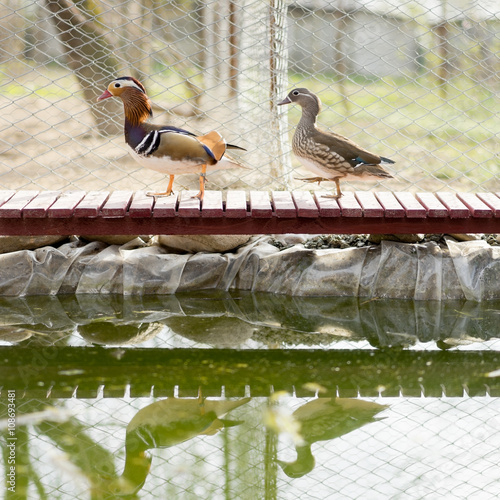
(82, 372)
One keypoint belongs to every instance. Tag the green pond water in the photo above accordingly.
(245, 396)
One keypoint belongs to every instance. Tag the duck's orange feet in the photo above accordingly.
(168, 192)
(159, 195)
(319, 180)
(339, 192)
(203, 176)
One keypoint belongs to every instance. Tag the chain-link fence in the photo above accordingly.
(377, 449)
(413, 81)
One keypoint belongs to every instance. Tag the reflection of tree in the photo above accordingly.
(324, 419)
(23, 470)
(70, 436)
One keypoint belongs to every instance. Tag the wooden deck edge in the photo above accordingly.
(32, 213)
(221, 226)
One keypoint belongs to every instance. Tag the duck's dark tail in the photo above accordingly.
(386, 160)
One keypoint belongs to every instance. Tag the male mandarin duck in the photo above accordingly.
(331, 156)
(165, 148)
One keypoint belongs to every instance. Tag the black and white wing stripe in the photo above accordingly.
(151, 141)
(149, 144)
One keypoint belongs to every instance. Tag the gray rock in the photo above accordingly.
(16, 243)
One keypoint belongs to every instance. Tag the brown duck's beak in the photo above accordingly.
(286, 100)
(105, 95)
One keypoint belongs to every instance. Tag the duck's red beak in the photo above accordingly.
(105, 95)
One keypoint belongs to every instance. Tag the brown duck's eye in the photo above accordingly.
(295, 92)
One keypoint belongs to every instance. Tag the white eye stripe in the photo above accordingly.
(296, 93)
(127, 83)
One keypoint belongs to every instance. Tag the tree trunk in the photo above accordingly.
(90, 57)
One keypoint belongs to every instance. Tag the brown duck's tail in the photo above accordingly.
(386, 160)
(372, 170)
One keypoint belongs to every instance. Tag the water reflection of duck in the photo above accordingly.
(164, 424)
(323, 419)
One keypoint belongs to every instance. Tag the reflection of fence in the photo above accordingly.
(417, 83)
(246, 447)
(266, 446)
(325, 395)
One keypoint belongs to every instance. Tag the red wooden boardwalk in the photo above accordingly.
(240, 212)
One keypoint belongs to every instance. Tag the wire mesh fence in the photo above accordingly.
(215, 397)
(414, 82)
(382, 448)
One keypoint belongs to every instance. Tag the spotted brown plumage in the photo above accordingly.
(164, 148)
(329, 155)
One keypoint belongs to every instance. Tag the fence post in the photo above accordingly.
(263, 82)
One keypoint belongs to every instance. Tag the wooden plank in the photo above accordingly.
(38, 207)
(66, 204)
(456, 209)
(236, 219)
(306, 206)
(260, 205)
(350, 206)
(328, 206)
(117, 204)
(141, 205)
(212, 205)
(165, 206)
(6, 195)
(475, 205)
(369, 203)
(15, 205)
(189, 206)
(433, 206)
(91, 204)
(283, 204)
(236, 204)
(492, 201)
(391, 205)
(412, 207)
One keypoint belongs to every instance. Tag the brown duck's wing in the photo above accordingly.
(346, 148)
(372, 170)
